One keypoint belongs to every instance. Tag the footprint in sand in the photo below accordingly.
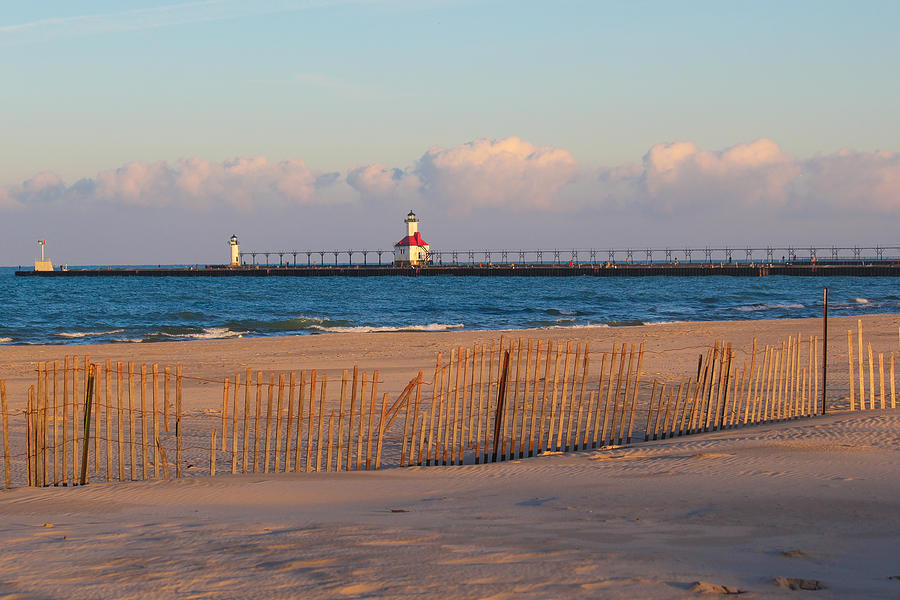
(797, 583)
(704, 587)
(535, 502)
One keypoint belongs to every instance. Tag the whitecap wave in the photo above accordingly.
(81, 334)
(574, 326)
(663, 322)
(759, 307)
(861, 300)
(211, 333)
(385, 328)
(5, 340)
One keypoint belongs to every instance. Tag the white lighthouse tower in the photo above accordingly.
(235, 251)
(412, 249)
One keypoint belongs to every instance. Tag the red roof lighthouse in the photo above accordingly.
(412, 249)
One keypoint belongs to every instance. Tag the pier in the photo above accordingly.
(856, 261)
(580, 256)
(885, 268)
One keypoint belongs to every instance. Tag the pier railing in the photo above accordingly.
(591, 256)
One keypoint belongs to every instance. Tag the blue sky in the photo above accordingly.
(338, 85)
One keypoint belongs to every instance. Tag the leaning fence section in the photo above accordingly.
(285, 422)
(775, 383)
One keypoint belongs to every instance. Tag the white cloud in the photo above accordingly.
(847, 180)
(191, 183)
(758, 177)
(676, 180)
(679, 175)
(382, 183)
(483, 173)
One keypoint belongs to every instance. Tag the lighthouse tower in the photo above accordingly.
(43, 265)
(235, 251)
(412, 249)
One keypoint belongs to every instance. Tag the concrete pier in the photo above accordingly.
(886, 268)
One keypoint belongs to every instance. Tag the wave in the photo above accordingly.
(578, 326)
(81, 334)
(385, 328)
(5, 340)
(214, 333)
(561, 312)
(861, 300)
(759, 307)
(284, 325)
(663, 322)
(211, 333)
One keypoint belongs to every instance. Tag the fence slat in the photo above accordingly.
(5, 415)
(120, 438)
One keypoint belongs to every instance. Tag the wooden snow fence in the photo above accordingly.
(112, 422)
(523, 397)
(869, 396)
(505, 400)
(775, 383)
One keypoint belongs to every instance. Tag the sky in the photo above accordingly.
(142, 133)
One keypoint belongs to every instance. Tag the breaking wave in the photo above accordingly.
(211, 333)
(83, 334)
(385, 328)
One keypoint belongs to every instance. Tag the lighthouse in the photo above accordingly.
(235, 251)
(43, 265)
(412, 249)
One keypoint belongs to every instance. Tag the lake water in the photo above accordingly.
(135, 309)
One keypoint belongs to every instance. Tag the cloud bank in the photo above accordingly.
(500, 192)
(190, 183)
(508, 174)
(673, 178)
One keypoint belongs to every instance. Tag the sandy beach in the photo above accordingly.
(671, 351)
(756, 509)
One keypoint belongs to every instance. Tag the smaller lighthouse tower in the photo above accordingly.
(43, 265)
(411, 250)
(235, 251)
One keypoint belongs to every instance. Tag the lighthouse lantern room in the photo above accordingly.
(412, 249)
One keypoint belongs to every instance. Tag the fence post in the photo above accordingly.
(824, 348)
(501, 396)
(3, 407)
(88, 395)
